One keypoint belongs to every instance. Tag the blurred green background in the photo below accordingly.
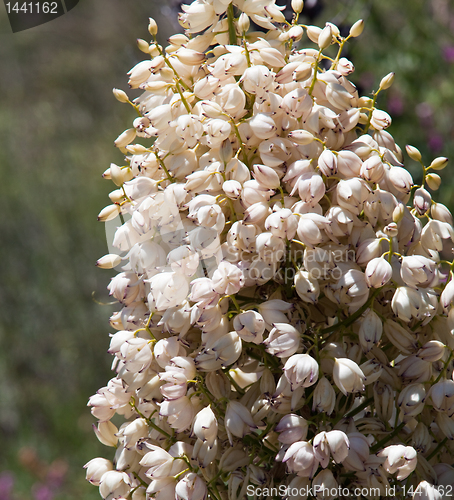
(58, 120)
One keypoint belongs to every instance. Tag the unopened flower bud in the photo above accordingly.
(384, 401)
(446, 424)
(295, 33)
(413, 152)
(391, 230)
(447, 295)
(297, 6)
(143, 46)
(313, 33)
(302, 72)
(152, 27)
(357, 28)
(325, 38)
(243, 23)
(433, 181)
(108, 213)
(439, 163)
(301, 137)
(386, 81)
(109, 261)
(283, 340)
(232, 189)
(441, 212)
(398, 213)
(125, 138)
(120, 95)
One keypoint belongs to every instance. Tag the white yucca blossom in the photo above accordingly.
(285, 292)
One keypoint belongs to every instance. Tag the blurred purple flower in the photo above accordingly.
(42, 492)
(436, 142)
(6, 485)
(395, 105)
(448, 53)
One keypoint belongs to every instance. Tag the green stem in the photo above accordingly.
(351, 319)
(437, 449)
(388, 438)
(169, 64)
(359, 408)
(317, 61)
(231, 20)
(169, 177)
(374, 100)
(445, 367)
(339, 52)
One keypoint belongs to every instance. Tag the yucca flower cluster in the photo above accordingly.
(286, 326)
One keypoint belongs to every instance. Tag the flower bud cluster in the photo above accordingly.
(283, 289)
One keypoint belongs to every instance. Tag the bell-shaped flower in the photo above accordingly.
(348, 376)
(372, 169)
(124, 287)
(301, 370)
(325, 485)
(250, 326)
(179, 413)
(197, 16)
(301, 460)
(378, 272)
(399, 458)
(417, 271)
(427, 491)
(114, 484)
(238, 420)
(411, 400)
(205, 425)
(168, 290)
(334, 443)
(324, 398)
(291, 428)
(282, 224)
(191, 487)
(442, 396)
(96, 469)
(358, 452)
(227, 279)
(306, 287)
(283, 340)
(415, 369)
(370, 330)
(432, 351)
